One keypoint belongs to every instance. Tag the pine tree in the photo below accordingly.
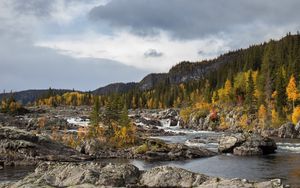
(95, 115)
(280, 98)
(250, 90)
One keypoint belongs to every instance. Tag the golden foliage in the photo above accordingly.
(243, 122)
(291, 90)
(296, 115)
(262, 115)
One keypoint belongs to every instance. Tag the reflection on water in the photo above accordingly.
(15, 173)
(286, 167)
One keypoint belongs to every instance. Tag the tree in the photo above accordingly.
(228, 90)
(292, 91)
(95, 118)
(250, 90)
(280, 95)
(262, 115)
(296, 115)
(95, 115)
(124, 119)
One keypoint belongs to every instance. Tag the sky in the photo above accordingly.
(86, 44)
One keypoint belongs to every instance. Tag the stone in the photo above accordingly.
(228, 143)
(166, 176)
(94, 174)
(247, 145)
(19, 147)
(72, 174)
(287, 130)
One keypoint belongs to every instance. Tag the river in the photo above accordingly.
(284, 164)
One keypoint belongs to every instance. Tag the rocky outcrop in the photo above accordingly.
(287, 131)
(166, 176)
(83, 175)
(247, 144)
(155, 150)
(18, 147)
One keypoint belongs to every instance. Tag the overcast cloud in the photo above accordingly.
(87, 44)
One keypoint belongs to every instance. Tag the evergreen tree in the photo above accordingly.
(250, 90)
(280, 98)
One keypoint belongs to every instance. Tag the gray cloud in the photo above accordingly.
(35, 67)
(33, 7)
(194, 18)
(152, 53)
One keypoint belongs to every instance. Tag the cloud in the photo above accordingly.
(152, 53)
(196, 19)
(36, 67)
(130, 49)
(86, 44)
(24, 65)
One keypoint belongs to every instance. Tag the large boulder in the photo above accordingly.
(156, 150)
(19, 147)
(228, 143)
(84, 174)
(287, 130)
(166, 176)
(247, 144)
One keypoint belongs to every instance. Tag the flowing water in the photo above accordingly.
(284, 164)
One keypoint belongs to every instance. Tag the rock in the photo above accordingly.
(166, 176)
(150, 122)
(269, 133)
(156, 150)
(228, 143)
(173, 122)
(18, 147)
(88, 174)
(297, 128)
(247, 145)
(287, 131)
(169, 113)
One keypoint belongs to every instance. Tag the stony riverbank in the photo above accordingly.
(85, 175)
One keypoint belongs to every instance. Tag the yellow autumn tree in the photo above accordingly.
(292, 91)
(228, 90)
(296, 115)
(262, 115)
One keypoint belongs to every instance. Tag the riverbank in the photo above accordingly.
(126, 175)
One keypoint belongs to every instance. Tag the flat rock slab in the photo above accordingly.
(18, 147)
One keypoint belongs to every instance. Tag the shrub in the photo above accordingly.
(142, 149)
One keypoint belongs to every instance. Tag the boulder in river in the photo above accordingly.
(19, 147)
(287, 130)
(247, 144)
(156, 150)
(50, 174)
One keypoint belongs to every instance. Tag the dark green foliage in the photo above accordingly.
(250, 90)
(280, 98)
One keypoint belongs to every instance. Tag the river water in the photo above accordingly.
(284, 164)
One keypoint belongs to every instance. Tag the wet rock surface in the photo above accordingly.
(19, 147)
(49, 174)
(247, 144)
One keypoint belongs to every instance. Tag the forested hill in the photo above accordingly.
(274, 54)
(273, 59)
